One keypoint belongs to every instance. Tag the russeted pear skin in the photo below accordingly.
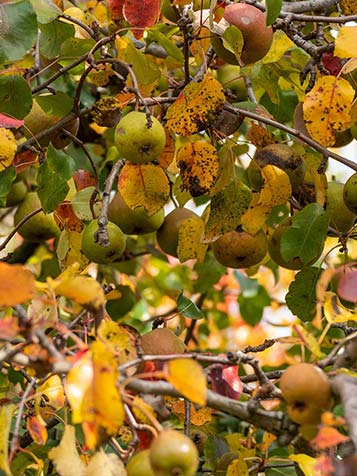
(239, 249)
(307, 392)
(161, 341)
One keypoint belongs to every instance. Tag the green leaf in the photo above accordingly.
(301, 298)
(18, 30)
(46, 10)
(252, 300)
(53, 35)
(11, 89)
(145, 70)
(154, 35)
(59, 104)
(52, 178)
(233, 40)
(7, 176)
(273, 10)
(283, 471)
(188, 308)
(72, 48)
(306, 237)
(208, 273)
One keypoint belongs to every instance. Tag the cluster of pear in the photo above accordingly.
(171, 453)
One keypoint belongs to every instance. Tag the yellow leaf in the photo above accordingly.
(6, 412)
(65, 456)
(327, 109)
(276, 190)
(334, 311)
(188, 378)
(281, 43)
(346, 41)
(17, 284)
(309, 341)
(189, 244)
(69, 250)
(83, 290)
(144, 186)
(8, 148)
(91, 388)
(198, 417)
(144, 413)
(102, 464)
(349, 7)
(196, 107)
(306, 463)
(119, 339)
(238, 467)
(199, 166)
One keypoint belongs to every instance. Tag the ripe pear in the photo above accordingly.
(285, 158)
(173, 454)
(274, 248)
(103, 254)
(307, 392)
(350, 193)
(37, 120)
(341, 217)
(133, 221)
(162, 341)
(137, 142)
(167, 234)
(239, 249)
(41, 226)
(251, 21)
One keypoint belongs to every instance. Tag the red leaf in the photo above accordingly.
(141, 14)
(332, 63)
(116, 9)
(225, 381)
(347, 288)
(8, 122)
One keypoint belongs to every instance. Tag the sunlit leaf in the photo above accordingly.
(141, 14)
(306, 463)
(9, 327)
(17, 284)
(345, 46)
(328, 437)
(334, 311)
(65, 456)
(84, 290)
(104, 464)
(193, 388)
(199, 165)
(119, 339)
(309, 341)
(190, 244)
(276, 190)
(196, 107)
(8, 148)
(6, 413)
(327, 109)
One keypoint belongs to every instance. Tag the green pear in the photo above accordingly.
(350, 193)
(341, 217)
(16, 193)
(230, 77)
(103, 254)
(137, 142)
(133, 221)
(41, 226)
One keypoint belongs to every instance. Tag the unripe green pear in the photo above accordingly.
(167, 235)
(137, 142)
(103, 254)
(41, 226)
(173, 454)
(350, 193)
(133, 221)
(139, 465)
(341, 217)
(230, 77)
(239, 249)
(16, 193)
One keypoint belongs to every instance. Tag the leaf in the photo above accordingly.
(8, 148)
(309, 341)
(301, 298)
(7, 176)
(252, 299)
(105, 465)
(188, 308)
(276, 190)
(91, 388)
(83, 290)
(119, 339)
(334, 311)
(71, 49)
(306, 463)
(141, 14)
(6, 413)
(9, 122)
(69, 250)
(196, 107)
(155, 35)
(116, 9)
(345, 45)
(199, 165)
(18, 30)
(347, 288)
(227, 208)
(225, 381)
(59, 104)
(193, 388)
(36, 426)
(232, 39)
(11, 88)
(53, 34)
(328, 437)
(190, 244)
(198, 417)
(17, 284)
(327, 109)
(65, 456)
(46, 10)
(305, 238)
(144, 186)
(349, 7)
(84, 202)
(273, 10)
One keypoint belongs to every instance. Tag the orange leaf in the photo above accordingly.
(37, 429)
(66, 218)
(144, 186)
(194, 387)
(9, 327)
(17, 284)
(141, 14)
(328, 437)
(196, 107)
(198, 417)
(327, 109)
(259, 136)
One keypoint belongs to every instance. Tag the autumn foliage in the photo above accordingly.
(178, 260)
